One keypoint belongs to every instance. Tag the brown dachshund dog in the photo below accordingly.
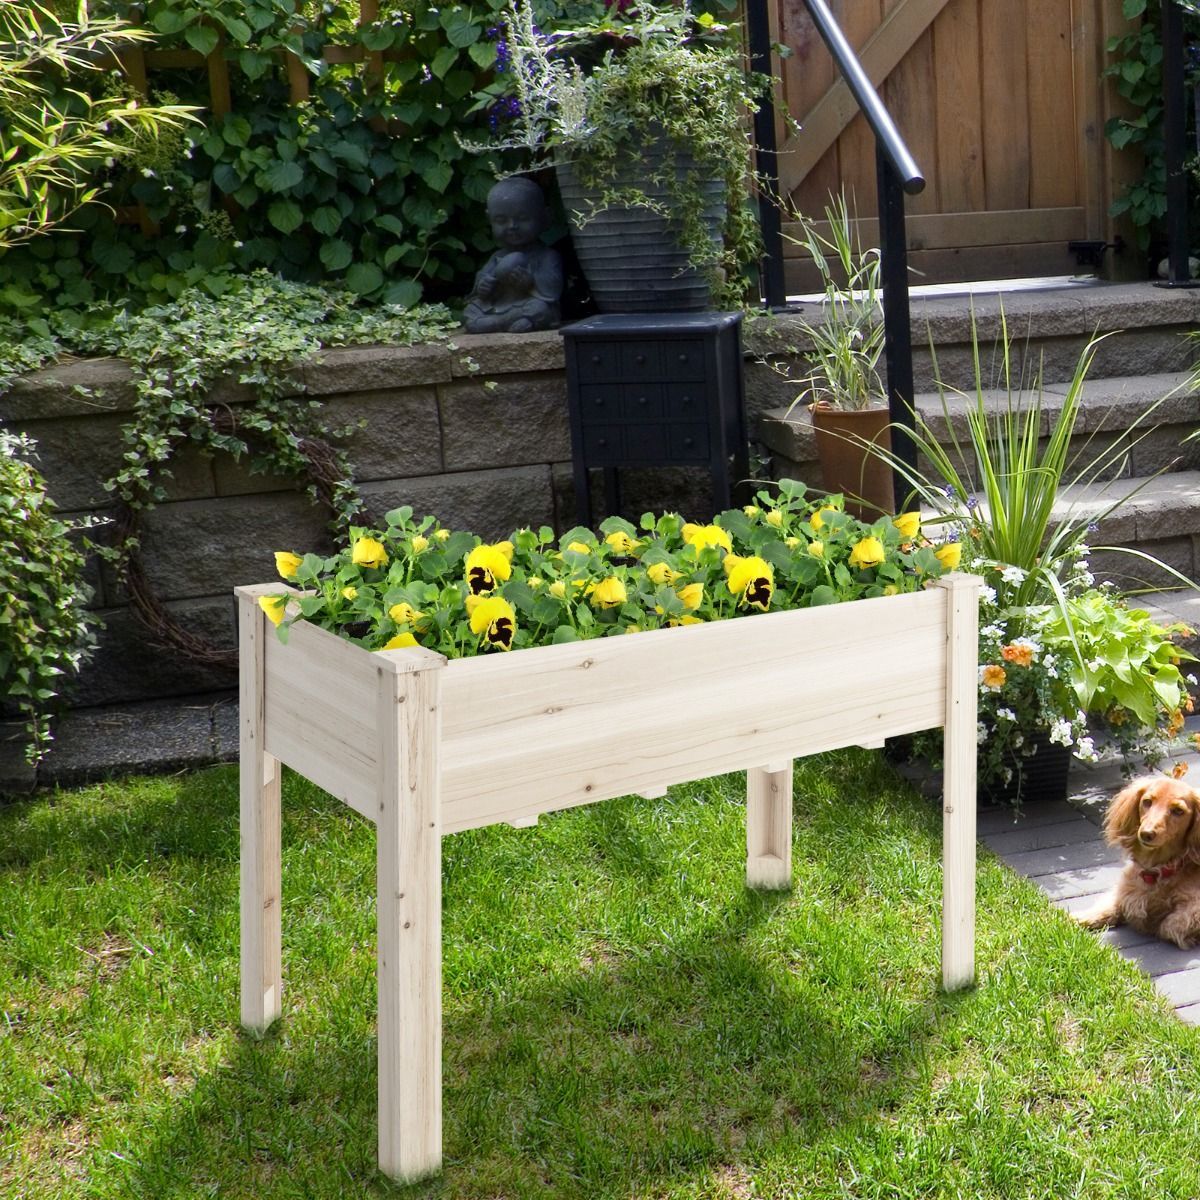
(1156, 821)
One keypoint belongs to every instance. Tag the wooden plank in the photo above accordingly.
(959, 120)
(534, 732)
(218, 79)
(259, 823)
(1053, 138)
(1094, 852)
(1087, 52)
(936, 231)
(769, 827)
(316, 721)
(1060, 833)
(807, 73)
(897, 34)
(1118, 168)
(169, 60)
(856, 143)
(908, 93)
(409, 950)
(1005, 104)
(959, 790)
(368, 14)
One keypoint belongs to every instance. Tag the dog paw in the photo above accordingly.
(1097, 918)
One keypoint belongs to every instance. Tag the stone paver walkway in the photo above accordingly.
(1060, 846)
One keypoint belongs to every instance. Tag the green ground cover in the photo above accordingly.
(622, 1017)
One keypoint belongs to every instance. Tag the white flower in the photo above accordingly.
(238, 245)
(181, 229)
(1006, 714)
(1086, 750)
(988, 594)
(147, 172)
(981, 733)
(1018, 740)
(1012, 575)
(110, 161)
(1060, 732)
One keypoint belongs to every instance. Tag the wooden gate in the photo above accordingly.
(1001, 103)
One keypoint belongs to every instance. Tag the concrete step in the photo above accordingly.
(1048, 330)
(1136, 424)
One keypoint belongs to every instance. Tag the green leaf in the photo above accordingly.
(280, 176)
(336, 254)
(403, 292)
(438, 176)
(236, 131)
(202, 38)
(234, 26)
(113, 257)
(565, 633)
(285, 215)
(364, 278)
(377, 37)
(170, 20)
(326, 219)
(443, 60)
(1133, 8)
(483, 54)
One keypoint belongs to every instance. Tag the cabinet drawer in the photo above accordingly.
(603, 445)
(646, 443)
(687, 401)
(642, 400)
(683, 359)
(599, 360)
(642, 360)
(599, 402)
(689, 441)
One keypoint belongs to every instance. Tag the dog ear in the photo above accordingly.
(1193, 838)
(1121, 822)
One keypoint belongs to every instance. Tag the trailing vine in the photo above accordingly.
(256, 335)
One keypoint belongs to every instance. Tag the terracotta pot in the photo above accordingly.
(846, 464)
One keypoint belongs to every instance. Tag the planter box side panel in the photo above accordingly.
(320, 715)
(567, 725)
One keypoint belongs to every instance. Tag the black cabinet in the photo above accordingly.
(656, 390)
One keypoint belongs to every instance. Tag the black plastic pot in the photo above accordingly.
(1040, 776)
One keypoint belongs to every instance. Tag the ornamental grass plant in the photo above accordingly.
(416, 583)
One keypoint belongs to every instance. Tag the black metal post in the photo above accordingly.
(893, 250)
(766, 159)
(1174, 135)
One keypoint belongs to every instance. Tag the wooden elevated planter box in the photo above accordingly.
(423, 747)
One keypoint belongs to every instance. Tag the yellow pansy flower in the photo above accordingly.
(816, 549)
(442, 535)
(274, 606)
(536, 581)
(494, 621)
(731, 562)
(752, 511)
(579, 547)
(487, 565)
(400, 641)
(404, 613)
(753, 580)
(420, 543)
(867, 553)
(791, 542)
(774, 517)
(633, 629)
(700, 536)
(621, 542)
(608, 593)
(660, 573)
(368, 552)
(818, 518)
(909, 524)
(287, 564)
(558, 589)
(686, 619)
(349, 593)
(949, 555)
(692, 595)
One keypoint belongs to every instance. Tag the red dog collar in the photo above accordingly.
(1153, 874)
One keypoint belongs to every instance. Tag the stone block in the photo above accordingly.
(128, 666)
(489, 503)
(1131, 573)
(1121, 402)
(17, 777)
(789, 432)
(1168, 507)
(1163, 449)
(771, 384)
(52, 392)
(1135, 305)
(208, 547)
(519, 421)
(491, 354)
(1152, 351)
(348, 369)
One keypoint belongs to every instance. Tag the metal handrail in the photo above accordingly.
(886, 134)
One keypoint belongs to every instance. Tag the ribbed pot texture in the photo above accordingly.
(632, 257)
(847, 466)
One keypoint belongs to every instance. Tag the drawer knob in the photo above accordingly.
(689, 441)
(639, 359)
(602, 442)
(599, 402)
(597, 359)
(641, 399)
(683, 358)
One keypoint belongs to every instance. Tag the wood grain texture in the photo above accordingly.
(259, 824)
(769, 827)
(959, 166)
(1005, 85)
(1053, 122)
(560, 726)
(959, 781)
(409, 951)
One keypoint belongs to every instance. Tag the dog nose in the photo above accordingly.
(1147, 836)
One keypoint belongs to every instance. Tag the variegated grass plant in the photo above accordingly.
(416, 583)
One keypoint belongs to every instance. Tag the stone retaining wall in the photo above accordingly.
(485, 458)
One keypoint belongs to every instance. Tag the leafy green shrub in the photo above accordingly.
(45, 629)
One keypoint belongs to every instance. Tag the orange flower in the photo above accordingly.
(1022, 656)
(1179, 770)
(992, 677)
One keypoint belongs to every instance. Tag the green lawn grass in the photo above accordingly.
(622, 1017)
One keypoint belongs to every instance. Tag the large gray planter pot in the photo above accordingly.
(633, 257)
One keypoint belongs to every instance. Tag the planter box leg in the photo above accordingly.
(959, 783)
(769, 827)
(262, 974)
(409, 870)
